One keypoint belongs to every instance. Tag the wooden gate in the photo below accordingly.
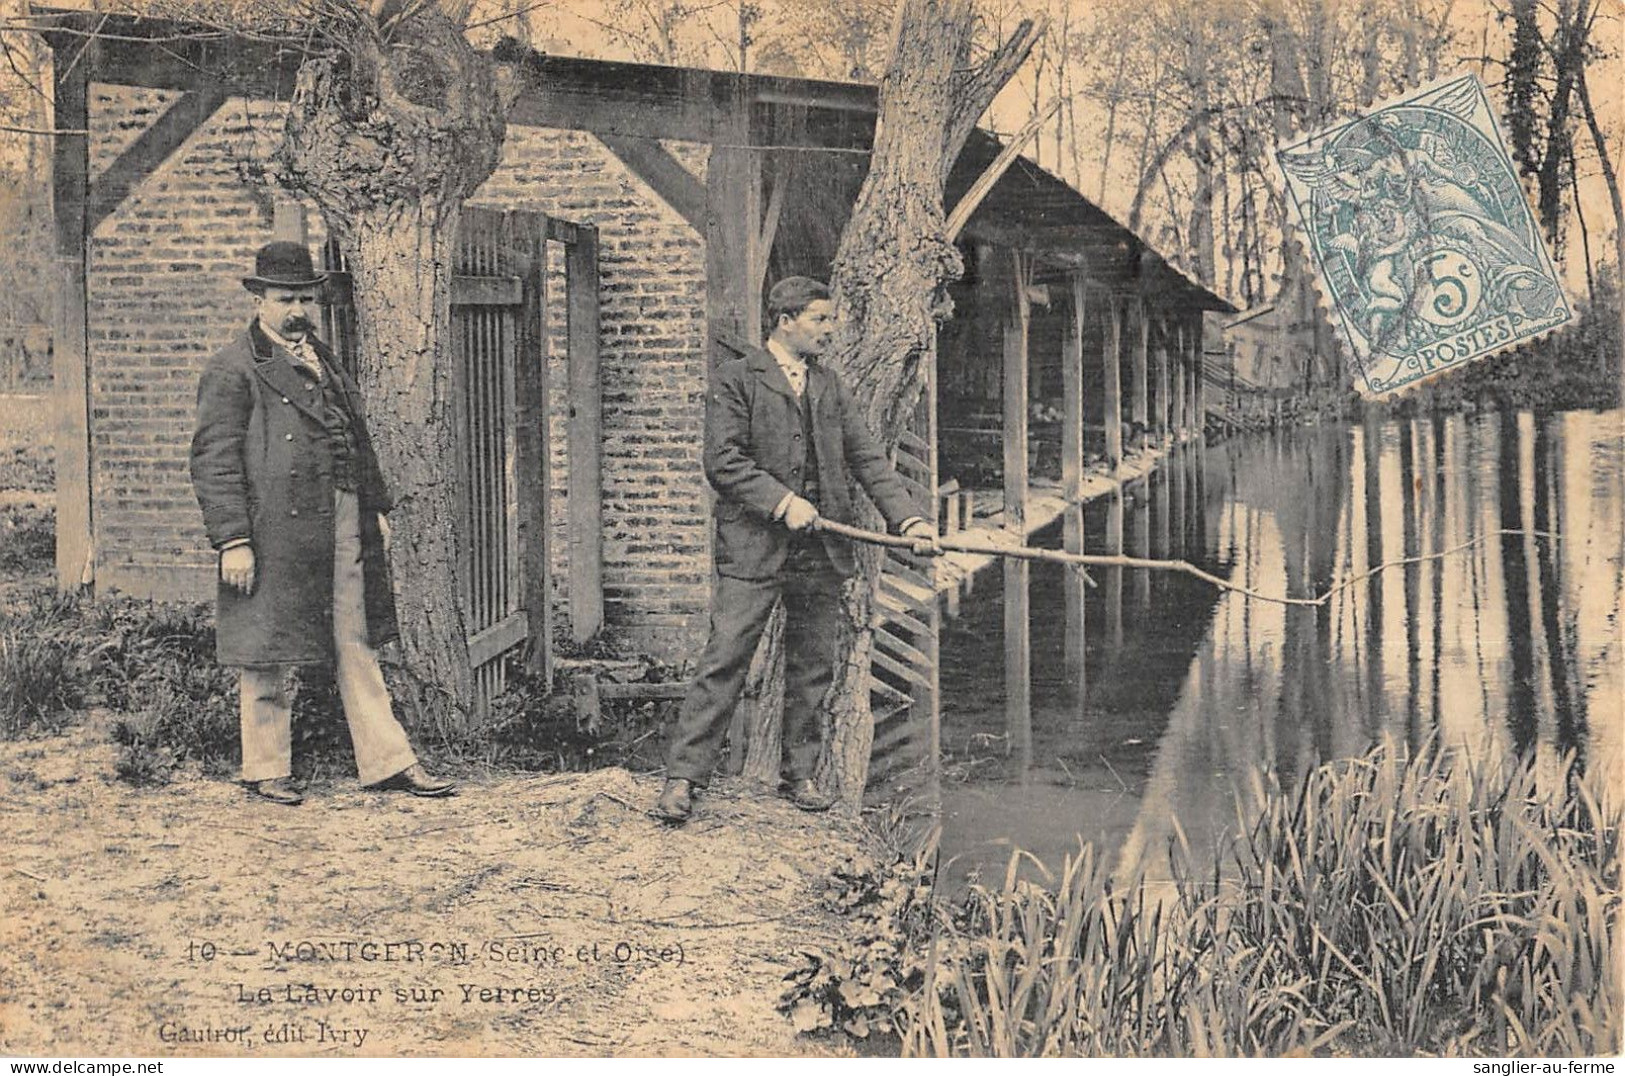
(500, 406)
(499, 372)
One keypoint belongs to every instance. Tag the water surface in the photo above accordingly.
(1509, 645)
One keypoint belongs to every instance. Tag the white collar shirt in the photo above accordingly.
(795, 370)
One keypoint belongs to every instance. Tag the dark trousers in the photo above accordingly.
(811, 589)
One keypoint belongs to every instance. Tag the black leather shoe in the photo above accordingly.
(277, 790)
(414, 780)
(806, 795)
(676, 802)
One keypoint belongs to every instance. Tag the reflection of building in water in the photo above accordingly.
(1269, 369)
(1509, 645)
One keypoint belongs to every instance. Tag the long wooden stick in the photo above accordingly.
(1104, 560)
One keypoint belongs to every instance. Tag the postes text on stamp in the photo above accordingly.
(1427, 253)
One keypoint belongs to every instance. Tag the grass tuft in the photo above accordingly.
(1423, 905)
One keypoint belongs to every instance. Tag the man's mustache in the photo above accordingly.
(298, 323)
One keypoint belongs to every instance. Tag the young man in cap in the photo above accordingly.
(293, 502)
(783, 440)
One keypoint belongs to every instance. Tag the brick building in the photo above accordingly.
(678, 194)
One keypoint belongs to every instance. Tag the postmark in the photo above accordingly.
(1424, 246)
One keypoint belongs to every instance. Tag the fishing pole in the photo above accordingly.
(1117, 560)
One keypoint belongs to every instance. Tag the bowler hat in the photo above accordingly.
(283, 265)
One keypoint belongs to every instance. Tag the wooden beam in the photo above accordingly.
(586, 440)
(983, 186)
(1111, 364)
(1179, 397)
(1163, 411)
(1198, 397)
(70, 382)
(762, 250)
(733, 183)
(152, 148)
(1017, 326)
(1177, 512)
(663, 172)
(1072, 395)
(531, 439)
(1138, 388)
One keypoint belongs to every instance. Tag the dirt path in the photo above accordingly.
(529, 916)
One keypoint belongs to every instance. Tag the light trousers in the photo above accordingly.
(381, 747)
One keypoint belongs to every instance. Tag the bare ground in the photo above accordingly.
(113, 900)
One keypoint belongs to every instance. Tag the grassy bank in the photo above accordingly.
(1388, 906)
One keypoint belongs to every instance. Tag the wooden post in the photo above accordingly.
(1072, 397)
(70, 383)
(1179, 397)
(1072, 484)
(1198, 413)
(1161, 484)
(1017, 622)
(1178, 515)
(532, 459)
(1016, 329)
(586, 441)
(733, 185)
(1138, 413)
(1163, 410)
(1111, 363)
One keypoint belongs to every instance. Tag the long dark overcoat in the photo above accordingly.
(262, 470)
(754, 455)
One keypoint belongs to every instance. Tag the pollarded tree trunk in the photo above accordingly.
(893, 262)
(389, 135)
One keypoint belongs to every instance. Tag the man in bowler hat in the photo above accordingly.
(294, 503)
(783, 440)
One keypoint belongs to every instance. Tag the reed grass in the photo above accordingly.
(1389, 905)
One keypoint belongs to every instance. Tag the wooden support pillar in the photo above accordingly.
(1179, 515)
(70, 382)
(1198, 413)
(1017, 621)
(733, 185)
(1161, 492)
(586, 441)
(1017, 327)
(1072, 398)
(1138, 403)
(1164, 413)
(1111, 364)
(532, 458)
(1181, 419)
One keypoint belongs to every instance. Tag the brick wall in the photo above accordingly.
(652, 353)
(164, 294)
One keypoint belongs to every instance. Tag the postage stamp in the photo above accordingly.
(1427, 254)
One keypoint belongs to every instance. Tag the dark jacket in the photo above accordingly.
(754, 453)
(262, 470)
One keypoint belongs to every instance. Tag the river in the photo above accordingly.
(1508, 643)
